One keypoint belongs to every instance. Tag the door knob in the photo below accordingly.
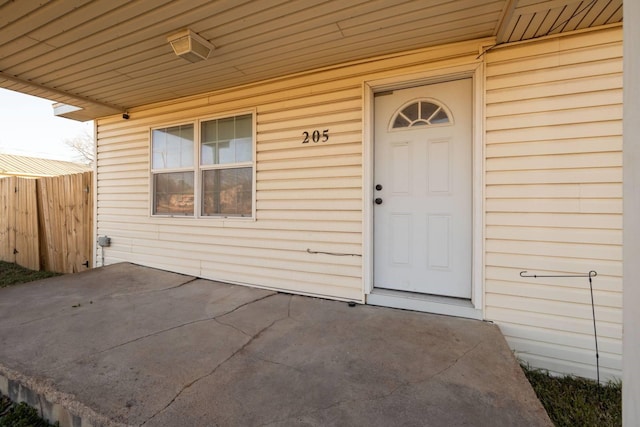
(378, 187)
(378, 201)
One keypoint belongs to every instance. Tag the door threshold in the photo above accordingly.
(424, 302)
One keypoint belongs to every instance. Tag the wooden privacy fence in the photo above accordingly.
(47, 223)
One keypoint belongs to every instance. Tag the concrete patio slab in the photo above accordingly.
(130, 345)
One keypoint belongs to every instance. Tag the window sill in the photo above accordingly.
(205, 218)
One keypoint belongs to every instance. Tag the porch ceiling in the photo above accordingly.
(107, 56)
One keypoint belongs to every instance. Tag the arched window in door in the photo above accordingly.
(423, 112)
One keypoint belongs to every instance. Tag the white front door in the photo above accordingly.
(423, 189)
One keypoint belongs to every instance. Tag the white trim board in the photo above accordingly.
(425, 303)
(631, 249)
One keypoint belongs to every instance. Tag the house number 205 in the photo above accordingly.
(315, 136)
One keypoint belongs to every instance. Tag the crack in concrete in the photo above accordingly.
(451, 365)
(175, 286)
(99, 298)
(214, 370)
(38, 319)
(273, 362)
(113, 295)
(246, 333)
(207, 319)
(247, 303)
(230, 326)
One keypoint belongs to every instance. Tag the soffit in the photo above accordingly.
(107, 56)
(528, 19)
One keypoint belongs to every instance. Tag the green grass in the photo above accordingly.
(13, 274)
(22, 415)
(572, 401)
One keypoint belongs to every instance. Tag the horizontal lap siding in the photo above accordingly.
(308, 196)
(554, 198)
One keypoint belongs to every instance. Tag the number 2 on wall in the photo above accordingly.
(316, 136)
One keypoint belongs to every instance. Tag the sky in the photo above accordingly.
(29, 128)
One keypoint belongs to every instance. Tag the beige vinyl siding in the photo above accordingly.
(308, 196)
(554, 198)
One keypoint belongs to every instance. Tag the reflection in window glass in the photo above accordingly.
(224, 178)
(227, 192)
(420, 113)
(440, 117)
(427, 109)
(208, 132)
(172, 148)
(411, 112)
(226, 128)
(173, 193)
(226, 141)
(401, 122)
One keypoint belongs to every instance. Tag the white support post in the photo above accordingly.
(631, 233)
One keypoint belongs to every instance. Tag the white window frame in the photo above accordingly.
(198, 169)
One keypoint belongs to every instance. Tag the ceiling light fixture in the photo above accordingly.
(190, 46)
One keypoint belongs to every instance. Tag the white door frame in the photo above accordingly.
(474, 70)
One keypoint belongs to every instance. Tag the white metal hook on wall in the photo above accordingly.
(590, 275)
